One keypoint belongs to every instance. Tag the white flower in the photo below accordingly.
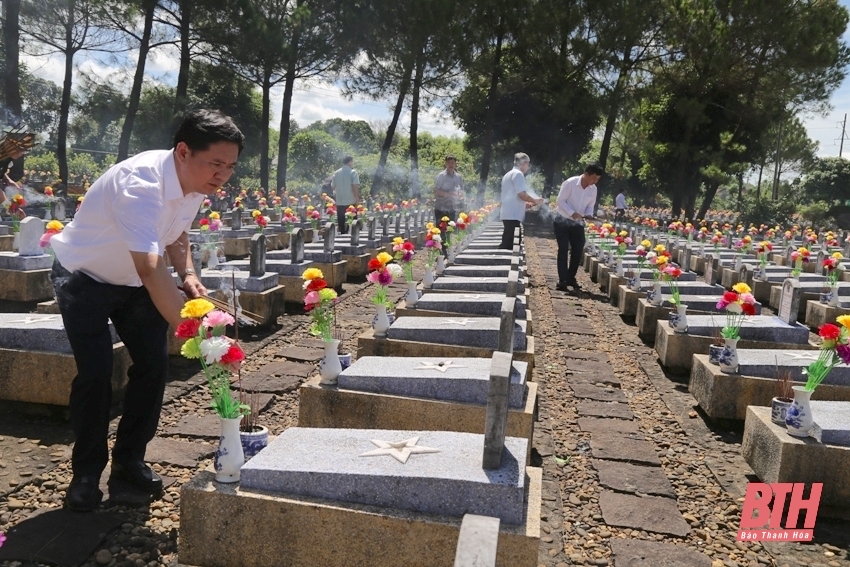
(395, 270)
(731, 308)
(437, 238)
(213, 349)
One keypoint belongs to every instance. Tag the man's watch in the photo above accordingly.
(187, 272)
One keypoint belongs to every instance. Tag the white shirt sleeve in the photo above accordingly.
(137, 205)
(519, 184)
(564, 206)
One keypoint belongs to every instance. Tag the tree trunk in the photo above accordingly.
(740, 177)
(11, 79)
(690, 201)
(758, 187)
(414, 127)
(149, 7)
(378, 180)
(611, 120)
(264, 132)
(181, 96)
(286, 109)
(65, 104)
(710, 192)
(490, 119)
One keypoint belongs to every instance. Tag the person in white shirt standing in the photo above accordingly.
(576, 202)
(515, 199)
(620, 204)
(110, 267)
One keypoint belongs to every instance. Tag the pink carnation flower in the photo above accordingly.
(311, 298)
(372, 277)
(748, 298)
(218, 318)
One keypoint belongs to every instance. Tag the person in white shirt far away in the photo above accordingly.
(515, 199)
(620, 204)
(576, 202)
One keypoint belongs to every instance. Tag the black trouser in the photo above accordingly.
(341, 226)
(570, 237)
(87, 306)
(438, 217)
(620, 213)
(508, 234)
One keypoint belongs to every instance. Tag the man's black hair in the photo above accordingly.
(202, 128)
(594, 169)
(347, 159)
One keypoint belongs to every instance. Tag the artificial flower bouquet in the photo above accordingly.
(433, 244)
(350, 215)
(670, 274)
(623, 241)
(288, 219)
(834, 350)
(260, 220)
(14, 207)
(764, 249)
(313, 215)
(799, 256)
(834, 268)
(53, 227)
(738, 304)
(382, 273)
(447, 226)
(319, 303)
(404, 251)
(203, 330)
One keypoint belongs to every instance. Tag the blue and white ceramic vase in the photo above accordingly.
(779, 410)
(714, 354)
(381, 322)
(229, 456)
(830, 296)
(679, 319)
(654, 295)
(728, 360)
(799, 419)
(254, 441)
(329, 366)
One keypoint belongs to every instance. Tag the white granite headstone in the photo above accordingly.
(31, 230)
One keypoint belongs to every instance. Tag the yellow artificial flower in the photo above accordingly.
(190, 349)
(624, 233)
(646, 244)
(312, 274)
(435, 230)
(445, 219)
(214, 216)
(429, 226)
(660, 248)
(463, 216)
(384, 258)
(741, 287)
(196, 308)
(55, 225)
(844, 321)
(837, 255)
(398, 240)
(255, 213)
(660, 260)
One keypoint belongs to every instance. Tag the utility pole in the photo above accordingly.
(776, 163)
(843, 130)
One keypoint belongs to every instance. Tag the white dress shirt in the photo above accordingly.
(573, 198)
(513, 183)
(136, 206)
(620, 201)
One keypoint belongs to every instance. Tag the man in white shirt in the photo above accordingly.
(109, 266)
(620, 204)
(515, 199)
(576, 202)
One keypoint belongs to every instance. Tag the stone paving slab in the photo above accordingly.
(208, 424)
(592, 392)
(176, 452)
(640, 553)
(594, 378)
(625, 477)
(586, 357)
(287, 368)
(301, 354)
(257, 382)
(58, 537)
(647, 513)
(629, 447)
(602, 425)
(604, 409)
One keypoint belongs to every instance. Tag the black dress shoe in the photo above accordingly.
(573, 283)
(83, 494)
(561, 286)
(138, 474)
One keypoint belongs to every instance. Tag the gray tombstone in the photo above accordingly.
(385, 226)
(788, 251)
(397, 224)
(372, 226)
(370, 203)
(745, 274)
(236, 219)
(847, 249)
(507, 318)
(57, 209)
(407, 226)
(709, 269)
(789, 304)
(31, 230)
(302, 213)
(513, 284)
(296, 246)
(356, 226)
(819, 266)
(330, 237)
(686, 258)
(730, 239)
(197, 258)
(258, 256)
(495, 423)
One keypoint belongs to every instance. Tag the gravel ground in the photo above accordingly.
(703, 465)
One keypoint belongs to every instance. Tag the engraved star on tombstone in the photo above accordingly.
(29, 320)
(441, 366)
(399, 450)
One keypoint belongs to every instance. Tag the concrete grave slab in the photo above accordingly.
(300, 353)
(832, 422)
(175, 452)
(482, 332)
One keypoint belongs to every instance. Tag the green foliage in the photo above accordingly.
(766, 211)
(41, 161)
(827, 180)
(314, 155)
(357, 134)
(815, 213)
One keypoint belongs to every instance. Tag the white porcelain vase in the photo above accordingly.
(452, 253)
(654, 295)
(412, 297)
(329, 366)
(428, 278)
(441, 264)
(382, 322)
(679, 319)
(229, 456)
(738, 261)
(15, 241)
(620, 270)
(728, 360)
(213, 260)
(798, 419)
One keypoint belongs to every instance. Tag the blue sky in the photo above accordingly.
(320, 101)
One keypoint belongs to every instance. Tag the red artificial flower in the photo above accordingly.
(188, 329)
(748, 308)
(234, 355)
(408, 246)
(375, 264)
(316, 284)
(204, 222)
(730, 297)
(829, 332)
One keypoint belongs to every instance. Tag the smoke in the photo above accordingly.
(30, 195)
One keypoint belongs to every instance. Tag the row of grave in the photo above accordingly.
(770, 346)
(429, 429)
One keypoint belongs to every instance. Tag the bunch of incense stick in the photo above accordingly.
(15, 142)
(247, 318)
